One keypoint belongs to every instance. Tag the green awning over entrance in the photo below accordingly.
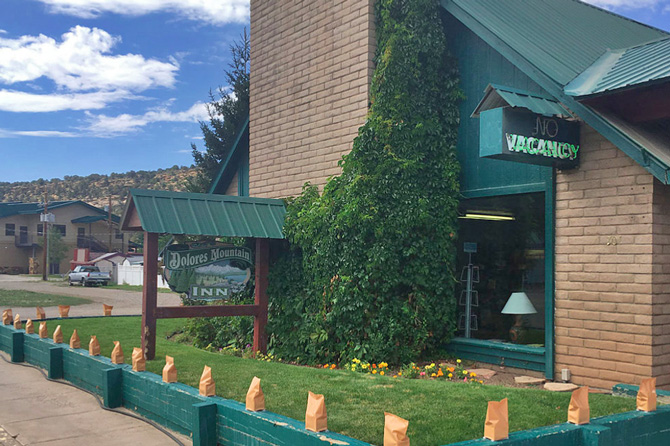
(496, 96)
(203, 214)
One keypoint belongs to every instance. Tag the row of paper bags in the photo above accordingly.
(63, 312)
(496, 426)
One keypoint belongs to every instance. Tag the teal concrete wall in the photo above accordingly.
(216, 420)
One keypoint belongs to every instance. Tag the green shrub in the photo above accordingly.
(370, 274)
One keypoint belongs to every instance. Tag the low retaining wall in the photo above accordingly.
(214, 420)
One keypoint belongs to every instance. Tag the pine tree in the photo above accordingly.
(228, 110)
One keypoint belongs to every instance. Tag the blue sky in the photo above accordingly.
(101, 86)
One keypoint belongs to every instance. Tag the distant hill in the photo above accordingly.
(96, 189)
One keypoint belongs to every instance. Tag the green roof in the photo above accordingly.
(95, 218)
(553, 42)
(624, 68)
(203, 214)
(229, 166)
(499, 96)
(20, 208)
(561, 38)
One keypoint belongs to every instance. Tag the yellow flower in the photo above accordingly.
(381, 373)
(325, 366)
(365, 366)
(399, 373)
(465, 372)
(374, 372)
(473, 374)
(458, 361)
(433, 375)
(450, 375)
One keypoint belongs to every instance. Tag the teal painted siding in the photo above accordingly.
(36, 351)
(481, 65)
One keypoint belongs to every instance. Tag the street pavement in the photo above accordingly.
(124, 302)
(34, 411)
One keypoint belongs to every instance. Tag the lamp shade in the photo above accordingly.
(518, 303)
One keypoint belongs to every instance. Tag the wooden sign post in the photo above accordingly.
(151, 311)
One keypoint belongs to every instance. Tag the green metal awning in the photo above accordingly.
(496, 96)
(203, 214)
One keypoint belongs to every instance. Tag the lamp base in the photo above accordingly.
(516, 330)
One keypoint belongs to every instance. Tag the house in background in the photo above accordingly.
(81, 225)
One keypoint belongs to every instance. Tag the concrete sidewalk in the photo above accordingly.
(34, 411)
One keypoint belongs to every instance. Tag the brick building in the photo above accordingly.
(587, 240)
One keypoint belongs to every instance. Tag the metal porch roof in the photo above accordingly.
(498, 96)
(203, 214)
(624, 68)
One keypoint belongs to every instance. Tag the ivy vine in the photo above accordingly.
(370, 269)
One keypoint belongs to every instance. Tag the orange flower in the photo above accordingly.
(332, 366)
(374, 366)
(325, 366)
(374, 372)
(381, 373)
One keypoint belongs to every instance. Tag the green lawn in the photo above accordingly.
(21, 298)
(439, 412)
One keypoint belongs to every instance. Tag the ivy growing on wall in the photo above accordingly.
(370, 271)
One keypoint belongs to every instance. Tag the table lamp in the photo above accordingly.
(518, 304)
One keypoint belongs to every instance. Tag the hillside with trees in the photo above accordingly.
(96, 189)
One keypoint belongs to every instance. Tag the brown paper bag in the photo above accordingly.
(169, 371)
(58, 335)
(578, 412)
(255, 397)
(207, 384)
(496, 426)
(75, 342)
(107, 309)
(646, 396)
(139, 361)
(117, 353)
(30, 328)
(316, 419)
(43, 330)
(17, 322)
(94, 346)
(7, 318)
(395, 430)
(63, 310)
(40, 313)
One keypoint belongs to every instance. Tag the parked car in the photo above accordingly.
(88, 275)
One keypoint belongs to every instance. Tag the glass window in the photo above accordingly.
(509, 233)
(61, 229)
(10, 229)
(40, 230)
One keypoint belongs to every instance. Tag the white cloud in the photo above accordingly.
(19, 101)
(110, 126)
(216, 12)
(626, 4)
(81, 61)
(3, 31)
(37, 133)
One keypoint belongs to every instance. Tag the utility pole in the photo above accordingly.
(109, 223)
(45, 232)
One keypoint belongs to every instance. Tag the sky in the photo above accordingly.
(101, 86)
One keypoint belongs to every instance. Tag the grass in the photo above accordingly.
(22, 298)
(439, 412)
(133, 288)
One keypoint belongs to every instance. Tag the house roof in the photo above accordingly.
(229, 165)
(96, 218)
(560, 37)
(498, 96)
(203, 214)
(9, 209)
(623, 68)
(555, 41)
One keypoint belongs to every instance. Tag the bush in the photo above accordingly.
(370, 274)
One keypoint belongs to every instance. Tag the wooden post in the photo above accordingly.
(149, 294)
(260, 294)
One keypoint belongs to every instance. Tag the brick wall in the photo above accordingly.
(605, 308)
(311, 65)
(661, 283)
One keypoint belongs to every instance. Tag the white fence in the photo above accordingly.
(133, 275)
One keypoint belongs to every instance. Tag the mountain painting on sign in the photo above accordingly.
(217, 279)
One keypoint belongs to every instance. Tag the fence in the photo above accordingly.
(134, 275)
(215, 420)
